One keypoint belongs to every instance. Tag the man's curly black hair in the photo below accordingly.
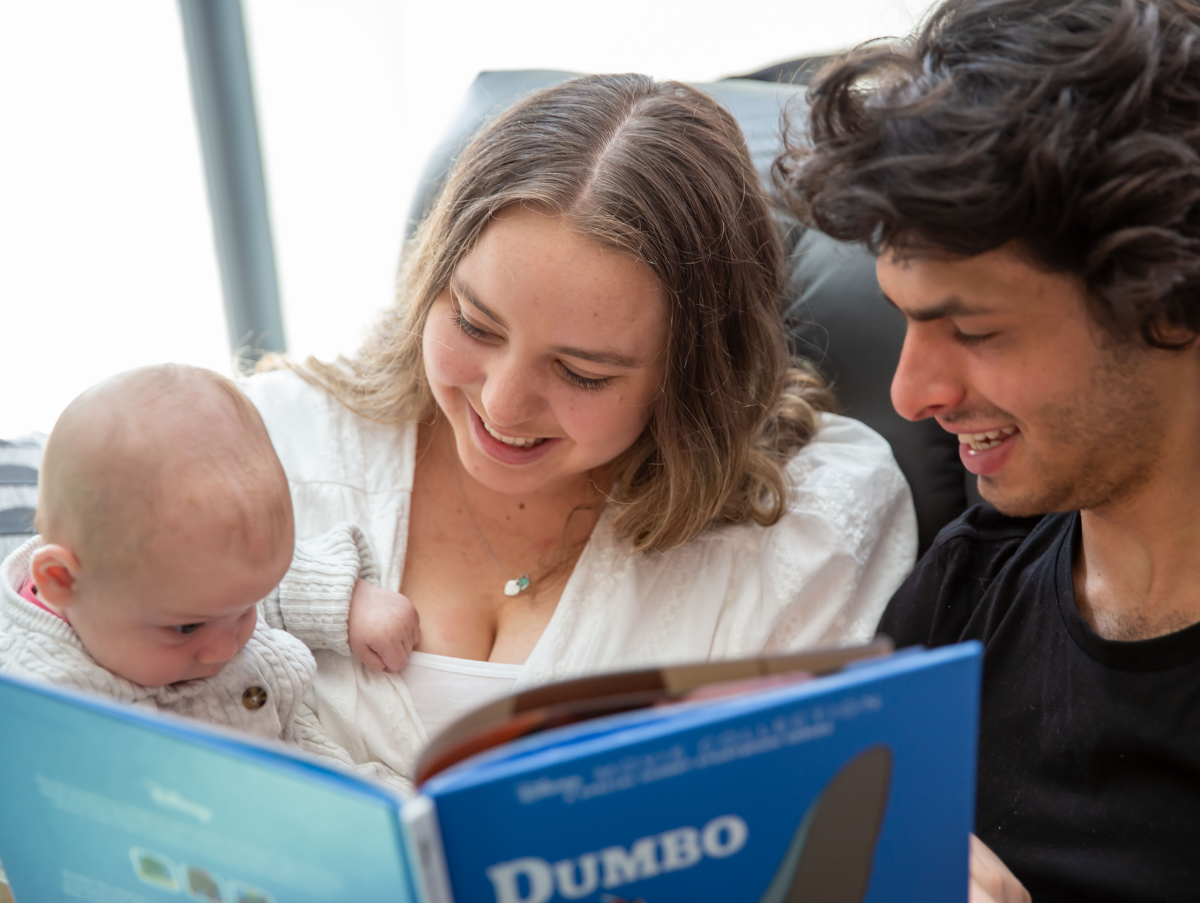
(1070, 127)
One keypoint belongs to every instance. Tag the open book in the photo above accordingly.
(837, 776)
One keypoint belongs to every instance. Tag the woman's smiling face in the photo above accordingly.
(545, 353)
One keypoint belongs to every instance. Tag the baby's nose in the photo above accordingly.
(220, 648)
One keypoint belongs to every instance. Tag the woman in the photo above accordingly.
(576, 442)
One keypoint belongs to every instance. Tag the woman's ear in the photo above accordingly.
(55, 570)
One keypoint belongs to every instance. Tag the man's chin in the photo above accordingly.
(1017, 503)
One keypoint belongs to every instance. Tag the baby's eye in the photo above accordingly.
(188, 628)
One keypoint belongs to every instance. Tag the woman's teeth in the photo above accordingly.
(981, 442)
(511, 440)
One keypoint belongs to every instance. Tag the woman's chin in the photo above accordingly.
(544, 473)
(504, 477)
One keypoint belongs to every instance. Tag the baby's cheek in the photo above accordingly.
(246, 626)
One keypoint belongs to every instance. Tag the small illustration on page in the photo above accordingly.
(154, 869)
(244, 893)
(203, 885)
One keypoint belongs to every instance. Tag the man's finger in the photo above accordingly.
(991, 880)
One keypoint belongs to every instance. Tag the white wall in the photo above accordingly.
(106, 248)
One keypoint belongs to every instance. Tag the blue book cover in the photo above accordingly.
(854, 787)
(100, 802)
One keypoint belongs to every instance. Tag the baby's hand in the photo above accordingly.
(384, 627)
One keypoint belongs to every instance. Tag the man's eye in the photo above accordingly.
(187, 628)
(969, 338)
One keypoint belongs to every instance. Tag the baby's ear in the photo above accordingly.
(55, 570)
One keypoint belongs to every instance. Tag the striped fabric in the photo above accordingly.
(19, 461)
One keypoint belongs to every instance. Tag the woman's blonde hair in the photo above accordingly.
(660, 172)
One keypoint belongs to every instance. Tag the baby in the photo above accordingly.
(166, 562)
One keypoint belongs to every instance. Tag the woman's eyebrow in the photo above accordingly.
(608, 358)
(460, 288)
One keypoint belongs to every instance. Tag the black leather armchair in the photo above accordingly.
(834, 311)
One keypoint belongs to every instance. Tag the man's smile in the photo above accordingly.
(986, 440)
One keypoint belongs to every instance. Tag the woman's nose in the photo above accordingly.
(926, 382)
(511, 392)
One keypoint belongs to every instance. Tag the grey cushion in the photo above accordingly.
(834, 309)
(19, 462)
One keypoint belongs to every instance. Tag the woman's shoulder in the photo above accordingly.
(847, 477)
(319, 439)
(821, 574)
(846, 441)
(846, 496)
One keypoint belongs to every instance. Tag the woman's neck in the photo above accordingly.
(466, 541)
(538, 529)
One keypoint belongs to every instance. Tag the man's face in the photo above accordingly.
(1051, 414)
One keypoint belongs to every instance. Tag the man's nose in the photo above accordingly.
(926, 382)
(220, 646)
(512, 392)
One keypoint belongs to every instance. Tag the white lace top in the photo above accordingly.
(821, 575)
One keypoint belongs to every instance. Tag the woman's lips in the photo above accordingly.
(986, 454)
(502, 451)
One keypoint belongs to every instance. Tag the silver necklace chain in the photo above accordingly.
(514, 585)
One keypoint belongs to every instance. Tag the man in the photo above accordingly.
(1029, 174)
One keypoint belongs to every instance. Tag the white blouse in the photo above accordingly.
(821, 575)
(444, 688)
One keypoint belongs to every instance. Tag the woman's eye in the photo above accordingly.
(187, 628)
(468, 327)
(583, 382)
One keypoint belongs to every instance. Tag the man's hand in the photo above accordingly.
(384, 627)
(991, 881)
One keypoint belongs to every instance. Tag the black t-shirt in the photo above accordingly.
(1089, 749)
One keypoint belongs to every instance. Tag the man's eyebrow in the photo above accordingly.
(607, 358)
(461, 288)
(953, 306)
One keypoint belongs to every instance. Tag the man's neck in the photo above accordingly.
(1137, 575)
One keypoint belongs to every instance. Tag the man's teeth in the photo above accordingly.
(983, 441)
(512, 440)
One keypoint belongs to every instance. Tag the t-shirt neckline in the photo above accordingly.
(1161, 653)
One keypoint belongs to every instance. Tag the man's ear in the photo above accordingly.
(1175, 335)
(55, 570)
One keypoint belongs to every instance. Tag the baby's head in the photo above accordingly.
(165, 518)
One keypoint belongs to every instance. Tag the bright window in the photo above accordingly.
(105, 238)
(107, 249)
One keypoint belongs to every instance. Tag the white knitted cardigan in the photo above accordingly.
(37, 645)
